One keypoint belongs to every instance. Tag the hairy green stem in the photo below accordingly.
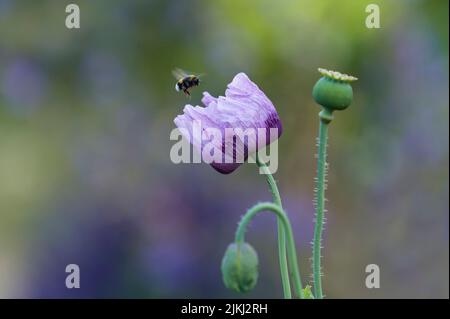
(282, 217)
(281, 233)
(325, 118)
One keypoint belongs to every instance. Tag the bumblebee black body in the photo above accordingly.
(187, 82)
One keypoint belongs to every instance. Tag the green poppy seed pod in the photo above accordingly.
(240, 267)
(333, 90)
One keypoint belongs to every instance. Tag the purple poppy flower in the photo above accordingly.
(232, 127)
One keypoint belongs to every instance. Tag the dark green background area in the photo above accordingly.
(85, 173)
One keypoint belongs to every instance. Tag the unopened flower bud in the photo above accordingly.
(240, 267)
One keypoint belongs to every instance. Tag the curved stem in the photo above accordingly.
(281, 234)
(320, 201)
(281, 215)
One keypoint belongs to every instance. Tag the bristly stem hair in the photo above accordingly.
(320, 200)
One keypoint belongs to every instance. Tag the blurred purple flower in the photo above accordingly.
(243, 107)
(24, 85)
(103, 77)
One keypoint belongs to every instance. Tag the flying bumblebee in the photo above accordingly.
(185, 81)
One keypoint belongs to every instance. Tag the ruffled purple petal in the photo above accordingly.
(208, 99)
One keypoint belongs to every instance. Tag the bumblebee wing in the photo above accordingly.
(179, 73)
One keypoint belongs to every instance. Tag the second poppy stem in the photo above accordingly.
(284, 221)
(281, 232)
